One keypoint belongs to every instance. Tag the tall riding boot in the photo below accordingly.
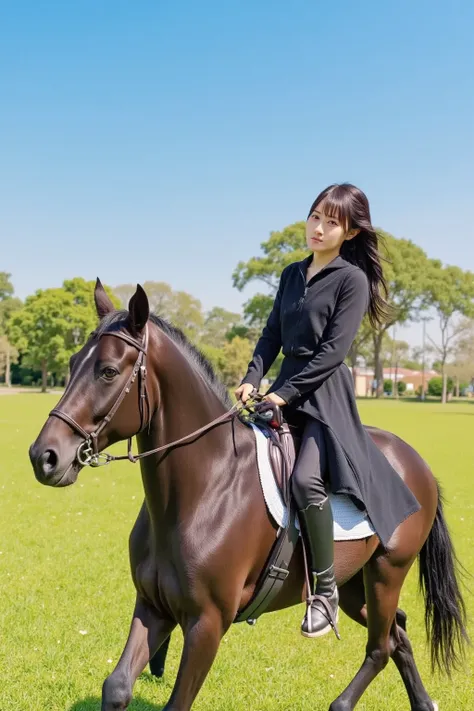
(318, 534)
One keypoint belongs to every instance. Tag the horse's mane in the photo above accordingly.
(191, 352)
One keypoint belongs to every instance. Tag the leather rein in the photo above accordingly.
(88, 454)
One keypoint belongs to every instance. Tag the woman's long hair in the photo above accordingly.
(350, 207)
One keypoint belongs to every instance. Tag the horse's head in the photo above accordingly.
(106, 399)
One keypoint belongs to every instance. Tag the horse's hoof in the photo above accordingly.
(435, 706)
(116, 693)
(158, 673)
(340, 706)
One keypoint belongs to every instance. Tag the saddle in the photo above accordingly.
(283, 443)
(282, 450)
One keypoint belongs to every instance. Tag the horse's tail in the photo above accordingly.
(445, 611)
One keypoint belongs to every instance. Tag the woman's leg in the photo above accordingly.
(315, 516)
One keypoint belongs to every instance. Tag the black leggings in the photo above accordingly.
(310, 467)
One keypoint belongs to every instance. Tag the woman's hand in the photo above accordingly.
(243, 392)
(276, 399)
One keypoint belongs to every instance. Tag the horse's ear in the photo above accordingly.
(138, 311)
(103, 304)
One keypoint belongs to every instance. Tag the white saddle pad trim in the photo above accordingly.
(349, 522)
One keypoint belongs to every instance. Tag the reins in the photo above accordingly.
(88, 453)
(227, 416)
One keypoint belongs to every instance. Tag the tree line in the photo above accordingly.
(39, 335)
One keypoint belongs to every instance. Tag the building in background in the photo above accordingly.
(364, 379)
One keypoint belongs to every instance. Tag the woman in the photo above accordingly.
(316, 314)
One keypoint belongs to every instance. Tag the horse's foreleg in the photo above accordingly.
(382, 583)
(202, 636)
(147, 632)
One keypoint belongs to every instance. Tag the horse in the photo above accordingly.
(203, 533)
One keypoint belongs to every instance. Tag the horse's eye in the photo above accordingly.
(109, 373)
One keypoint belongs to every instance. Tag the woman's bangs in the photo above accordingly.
(336, 207)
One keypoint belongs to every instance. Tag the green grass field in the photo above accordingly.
(66, 595)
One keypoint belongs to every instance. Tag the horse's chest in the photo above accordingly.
(157, 582)
(146, 579)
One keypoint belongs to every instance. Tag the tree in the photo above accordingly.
(243, 331)
(214, 356)
(236, 355)
(279, 250)
(186, 314)
(256, 310)
(451, 294)
(391, 354)
(461, 369)
(45, 330)
(82, 292)
(8, 356)
(414, 359)
(401, 387)
(218, 322)
(160, 297)
(405, 267)
(437, 386)
(360, 348)
(6, 287)
(461, 373)
(159, 293)
(8, 305)
(178, 307)
(124, 293)
(399, 351)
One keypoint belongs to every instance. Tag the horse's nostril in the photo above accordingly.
(49, 460)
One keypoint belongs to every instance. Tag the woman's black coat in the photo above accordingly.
(315, 324)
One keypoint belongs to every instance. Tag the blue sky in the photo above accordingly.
(164, 140)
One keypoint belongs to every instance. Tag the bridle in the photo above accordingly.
(88, 454)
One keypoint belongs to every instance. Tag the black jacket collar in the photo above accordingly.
(337, 263)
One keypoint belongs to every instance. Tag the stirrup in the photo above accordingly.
(326, 612)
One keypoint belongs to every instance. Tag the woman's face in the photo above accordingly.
(324, 233)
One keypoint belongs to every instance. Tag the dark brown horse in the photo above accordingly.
(190, 563)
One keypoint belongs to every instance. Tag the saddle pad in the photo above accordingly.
(349, 522)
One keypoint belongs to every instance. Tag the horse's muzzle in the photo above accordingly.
(49, 469)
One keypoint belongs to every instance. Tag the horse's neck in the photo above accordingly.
(176, 480)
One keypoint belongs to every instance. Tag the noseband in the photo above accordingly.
(88, 451)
